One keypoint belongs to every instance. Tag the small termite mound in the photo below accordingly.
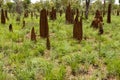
(10, 28)
(33, 35)
(48, 43)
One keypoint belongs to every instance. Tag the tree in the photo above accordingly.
(57, 4)
(10, 5)
(104, 8)
(87, 8)
(119, 2)
(64, 2)
(26, 3)
(6, 1)
(37, 6)
(1, 2)
(19, 6)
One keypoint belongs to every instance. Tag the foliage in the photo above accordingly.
(10, 5)
(97, 5)
(26, 3)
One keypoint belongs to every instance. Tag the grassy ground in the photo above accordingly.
(22, 59)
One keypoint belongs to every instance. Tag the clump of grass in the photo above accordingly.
(57, 73)
(113, 67)
(24, 74)
(3, 75)
(72, 61)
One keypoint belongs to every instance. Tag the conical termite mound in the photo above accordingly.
(60, 12)
(118, 12)
(77, 29)
(6, 15)
(44, 29)
(97, 19)
(77, 12)
(26, 14)
(98, 15)
(10, 28)
(23, 24)
(48, 43)
(33, 35)
(80, 30)
(97, 23)
(3, 21)
(36, 16)
(31, 14)
(69, 15)
(53, 14)
(18, 19)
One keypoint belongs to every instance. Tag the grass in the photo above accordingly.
(22, 59)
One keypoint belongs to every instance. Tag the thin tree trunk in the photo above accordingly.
(104, 8)
(87, 8)
(86, 13)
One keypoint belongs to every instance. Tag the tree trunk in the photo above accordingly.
(104, 8)
(87, 8)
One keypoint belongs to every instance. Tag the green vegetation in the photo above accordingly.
(23, 59)
(96, 57)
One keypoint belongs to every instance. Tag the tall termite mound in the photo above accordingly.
(97, 23)
(60, 12)
(6, 14)
(118, 12)
(97, 19)
(69, 15)
(18, 18)
(109, 14)
(53, 14)
(44, 29)
(98, 15)
(31, 14)
(80, 29)
(3, 21)
(77, 29)
(26, 14)
(77, 12)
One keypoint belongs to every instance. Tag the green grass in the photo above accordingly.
(22, 59)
